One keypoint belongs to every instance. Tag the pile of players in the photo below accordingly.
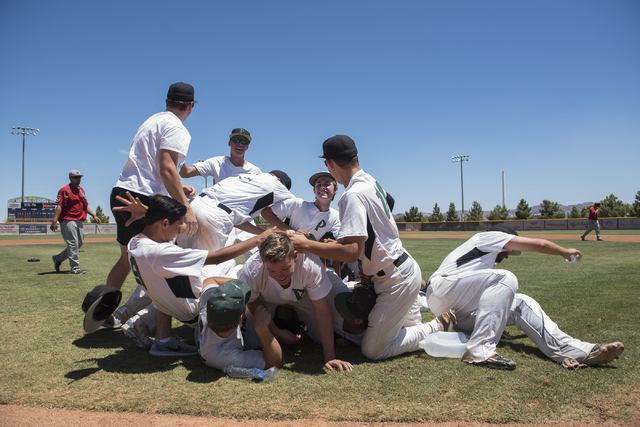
(181, 249)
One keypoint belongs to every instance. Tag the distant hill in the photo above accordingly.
(534, 209)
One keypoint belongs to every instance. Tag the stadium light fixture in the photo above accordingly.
(19, 130)
(460, 159)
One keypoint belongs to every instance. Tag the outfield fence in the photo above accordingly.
(627, 223)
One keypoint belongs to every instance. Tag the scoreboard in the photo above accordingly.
(30, 211)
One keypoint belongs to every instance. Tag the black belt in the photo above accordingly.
(398, 262)
(222, 206)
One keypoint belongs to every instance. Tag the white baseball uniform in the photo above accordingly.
(218, 352)
(485, 301)
(232, 201)
(220, 167)
(395, 323)
(309, 282)
(169, 275)
(304, 215)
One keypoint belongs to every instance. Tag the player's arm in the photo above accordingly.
(325, 327)
(189, 171)
(56, 215)
(272, 219)
(249, 228)
(90, 212)
(271, 350)
(171, 180)
(519, 243)
(346, 250)
(282, 335)
(230, 252)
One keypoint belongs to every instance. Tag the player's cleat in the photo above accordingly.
(56, 264)
(449, 321)
(604, 353)
(78, 271)
(123, 314)
(497, 362)
(600, 240)
(582, 237)
(111, 322)
(174, 347)
(139, 332)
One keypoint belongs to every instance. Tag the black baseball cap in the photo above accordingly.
(283, 177)
(240, 132)
(357, 304)
(181, 92)
(504, 228)
(339, 147)
(315, 177)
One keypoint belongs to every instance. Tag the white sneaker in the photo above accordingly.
(174, 347)
(138, 331)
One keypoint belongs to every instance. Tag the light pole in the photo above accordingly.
(18, 130)
(460, 159)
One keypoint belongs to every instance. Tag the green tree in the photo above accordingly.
(452, 214)
(575, 212)
(104, 219)
(584, 212)
(436, 215)
(551, 210)
(523, 211)
(414, 215)
(611, 207)
(475, 213)
(499, 212)
(636, 206)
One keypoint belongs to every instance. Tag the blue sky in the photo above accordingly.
(546, 91)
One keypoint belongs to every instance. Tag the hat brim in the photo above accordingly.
(90, 324)
(315, 177)
(247, 137)
(340, 302)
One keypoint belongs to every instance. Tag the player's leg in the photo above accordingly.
(69, 230)
(120, 270)
(214, 226)
(527, 315)
(397, 293)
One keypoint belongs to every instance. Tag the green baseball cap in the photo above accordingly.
(226, 303)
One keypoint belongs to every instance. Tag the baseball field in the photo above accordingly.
(52, 373)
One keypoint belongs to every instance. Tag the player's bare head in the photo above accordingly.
(163, 207)
(596, 205)
(276, 247)
(180, 96)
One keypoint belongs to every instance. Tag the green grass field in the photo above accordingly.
(48, 361)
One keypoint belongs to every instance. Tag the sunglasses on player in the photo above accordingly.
(237, 140)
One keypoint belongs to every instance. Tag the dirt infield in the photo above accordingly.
(11, 416)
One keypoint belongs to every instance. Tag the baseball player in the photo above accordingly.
(221, 314)
(170, 274)
(277, 275)
(368, 232)
(222, 167)
(156, 156)
(484, 300)
(594, 224)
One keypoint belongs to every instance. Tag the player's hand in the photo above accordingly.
(338, 364)
(97, 219)
(133, 206)
(191, 221)
(286, 337)
(189, 191)
(261, 318)
(570, 252)
(299, 241)
(53, 226)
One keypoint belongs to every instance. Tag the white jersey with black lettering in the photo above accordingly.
(364, 211)
(247, 194)
(304, 215)
(169, 275)
(477, 253)
(309, 276)
(220, 167)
